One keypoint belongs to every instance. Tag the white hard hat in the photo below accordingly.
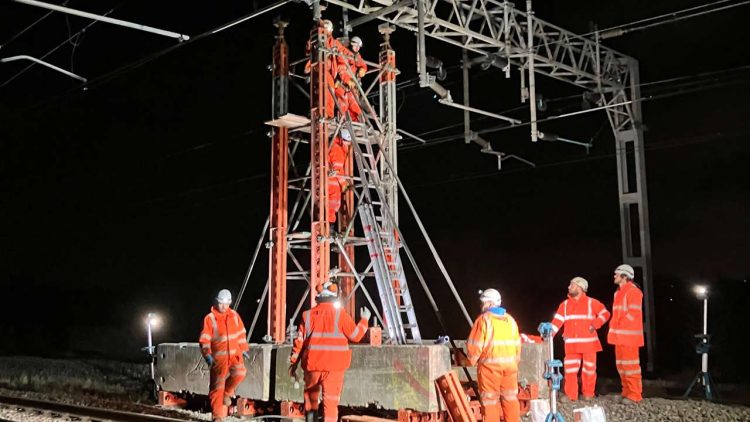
(346, 135)
(581, 282)
(490, 295)
(327, 24)
(357, 41)
(224, 296)
(625, 270)
(327, 289)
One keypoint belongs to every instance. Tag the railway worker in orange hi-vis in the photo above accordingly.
(337, 178)
(626, 333)
(580, 316)
(494, 345)
(351, 68)
(223, 345)
(322, 345)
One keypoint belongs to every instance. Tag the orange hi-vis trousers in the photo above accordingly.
(347, 102)
(226, 374)
(572, 365)
(498, 389)
(331, 382)
(628, 364)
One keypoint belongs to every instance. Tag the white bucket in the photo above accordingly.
(589, 414)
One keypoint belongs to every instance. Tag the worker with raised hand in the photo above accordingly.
(351, 67)
(223, 345)
(494, 345)
(322, 345)
(626, 332)
(580, 316)
(338, 154)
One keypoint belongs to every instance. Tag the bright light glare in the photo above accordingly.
(700, 291)
(337, 304)
(153, 320)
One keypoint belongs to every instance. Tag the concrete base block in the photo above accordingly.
(180, 367)
(390, 377)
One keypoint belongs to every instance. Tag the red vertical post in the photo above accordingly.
(321, 104)
(279, 192)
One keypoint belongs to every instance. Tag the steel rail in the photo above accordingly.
(85, 411)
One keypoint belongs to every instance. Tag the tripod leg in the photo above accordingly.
(692, 384)
(708, 383)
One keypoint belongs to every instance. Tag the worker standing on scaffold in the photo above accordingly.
(351, 68)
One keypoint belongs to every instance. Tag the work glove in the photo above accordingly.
(352, 84)
(591, 329)
(210, 360)
(293, 370)
(361, 72)
(365, 314)
(246, 355)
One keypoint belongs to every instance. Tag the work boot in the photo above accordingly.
(587, 398)
(227, 401)
(311, 416)
(565, 399)
(626, 400)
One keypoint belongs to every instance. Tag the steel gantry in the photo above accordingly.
(498, 34)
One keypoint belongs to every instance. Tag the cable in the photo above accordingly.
(658, 145)
(13, 38)
(147, 59)
(617, 31)
(56, 48)
(691, 80)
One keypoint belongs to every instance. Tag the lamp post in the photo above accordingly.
(703, 345)
(152, 323)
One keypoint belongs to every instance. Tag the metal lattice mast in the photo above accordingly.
(279, 192)
(627, 126)
(321, 105)
(388, 106)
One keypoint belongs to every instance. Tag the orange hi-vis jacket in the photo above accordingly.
(323, 338)
(353, 62)
(626, 327)
(494, 341)
(223, 334)
(576, 316)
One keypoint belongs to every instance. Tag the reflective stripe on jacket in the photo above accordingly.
(575, 316)
(323, 338)
(223, 334)
(494, 342)
(626, 327)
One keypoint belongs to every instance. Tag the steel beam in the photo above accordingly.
(491, 26)
(320, 104)
(279, 192)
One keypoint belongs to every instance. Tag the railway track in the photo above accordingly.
(68, 412)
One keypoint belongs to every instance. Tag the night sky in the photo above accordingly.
(149, 189)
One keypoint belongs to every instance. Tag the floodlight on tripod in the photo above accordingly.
(703, 377)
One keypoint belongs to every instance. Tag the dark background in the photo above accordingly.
(148, 190)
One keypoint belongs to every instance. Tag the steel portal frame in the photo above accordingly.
(496, 29)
